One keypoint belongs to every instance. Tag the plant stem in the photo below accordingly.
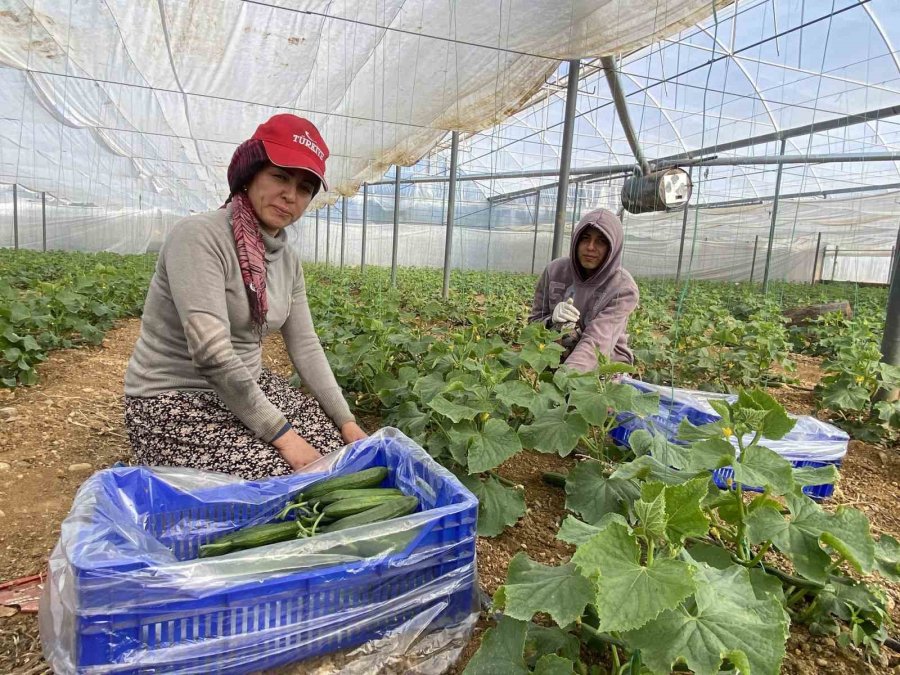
(503, 481)
(615, 658)
(759, 556)
(741, 526)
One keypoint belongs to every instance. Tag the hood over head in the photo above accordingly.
(610, 227)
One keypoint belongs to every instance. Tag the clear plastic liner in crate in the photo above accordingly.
(810, 443)
(126, 592)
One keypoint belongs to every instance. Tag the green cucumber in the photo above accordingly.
(368, 478)
(251, 537)
(347, 507)
(396, 507)
(338, 495)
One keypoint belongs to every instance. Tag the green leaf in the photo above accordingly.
(688, 432)
(499, 506)
(651, 509)
(29, 344)
(642, 442)
(515, 392)
(705, 455)
(591, 405)
(776, 423)
(451, 410)
(577, 532)
(889, 412)
(761, 467)
(646, 467)
(410, 420)
(492, 446)
(593, 495)
(714, 556)
(541, 356)
(542, 640)
(547, 398)
(765, 585)
(846, 396)
(847, 532)
(797, 536)
(426, 388)
(887, 557)
(553, 665)
(532, 587)
(684, 517)
(722, 408)
(725, 620)
(629, 594)
(819, 475)
(501, 650)
(554, 431)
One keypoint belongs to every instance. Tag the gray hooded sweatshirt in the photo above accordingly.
(605, 298)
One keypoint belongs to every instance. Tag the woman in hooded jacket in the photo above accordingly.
(196, 394)
(588, 294)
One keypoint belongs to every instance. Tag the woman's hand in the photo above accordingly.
(350, 432)
(295, 450)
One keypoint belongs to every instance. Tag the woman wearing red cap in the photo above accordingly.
(196, 394)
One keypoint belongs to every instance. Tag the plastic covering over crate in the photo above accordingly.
(126, 592)
(811, 443)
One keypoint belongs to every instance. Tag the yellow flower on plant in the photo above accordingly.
(540, 346)
(859, 379)
(727, 432)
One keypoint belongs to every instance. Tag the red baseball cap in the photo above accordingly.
(295, 143)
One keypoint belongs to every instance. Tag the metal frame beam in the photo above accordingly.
(565, 158)
(451, 213)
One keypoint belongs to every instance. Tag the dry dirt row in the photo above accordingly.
(54, 435)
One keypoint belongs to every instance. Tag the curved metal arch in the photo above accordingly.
(759, 94)
(893, 52)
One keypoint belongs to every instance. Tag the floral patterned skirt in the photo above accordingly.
(194, 429)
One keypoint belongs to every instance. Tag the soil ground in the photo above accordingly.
(55, 434)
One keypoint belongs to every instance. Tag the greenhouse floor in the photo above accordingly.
(70, 425)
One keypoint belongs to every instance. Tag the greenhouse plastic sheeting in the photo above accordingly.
(811, 439)
(105, 100)
(127, 593)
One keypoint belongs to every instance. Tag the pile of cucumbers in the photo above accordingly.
(326, 506)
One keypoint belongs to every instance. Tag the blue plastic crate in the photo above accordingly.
(135, 609)
(811, 443)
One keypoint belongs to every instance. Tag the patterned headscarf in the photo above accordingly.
(249, 158)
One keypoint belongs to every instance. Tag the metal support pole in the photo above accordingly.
(487, 257)
(684, 220)
(816, 259)
(451, 207)
(343, 227)
(834, 264)
(537, 210)
(753, 264)
(575, 207)
(396, 227)
(328, 235)
(891, 271)
(765, 287)
(890, 342)
(565, 158)
(15, 216)
(316, 257)
(362, 257)
(615, 88)
(43, 221)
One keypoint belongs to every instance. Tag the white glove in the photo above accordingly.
(565, 312)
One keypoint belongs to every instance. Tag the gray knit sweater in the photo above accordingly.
(196, 333)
